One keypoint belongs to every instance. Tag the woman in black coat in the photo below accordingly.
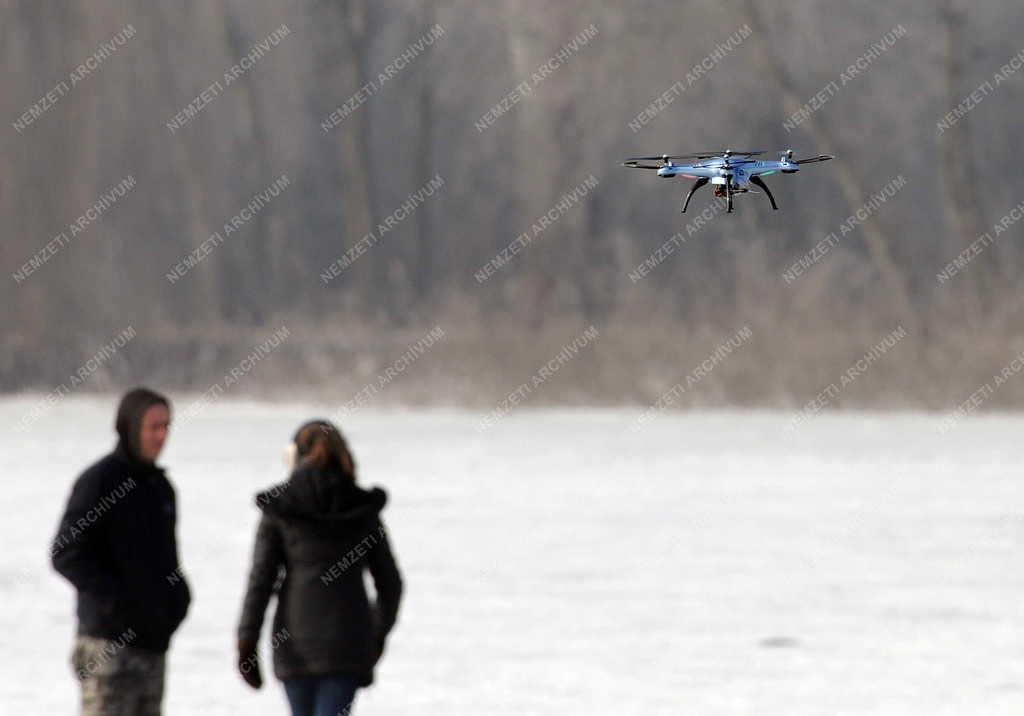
(317, 534)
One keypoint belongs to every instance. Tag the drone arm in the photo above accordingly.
(756, 180)
(696, 185)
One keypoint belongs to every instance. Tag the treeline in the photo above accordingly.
(427, 152)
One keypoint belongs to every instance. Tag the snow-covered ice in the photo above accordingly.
(560, 562)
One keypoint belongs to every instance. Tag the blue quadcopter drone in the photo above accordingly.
(729, 172)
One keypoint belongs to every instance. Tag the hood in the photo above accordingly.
(321, 499)
(133, 406)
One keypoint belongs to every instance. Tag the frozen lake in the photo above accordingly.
(560, 562)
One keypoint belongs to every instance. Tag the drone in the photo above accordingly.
(730, 172)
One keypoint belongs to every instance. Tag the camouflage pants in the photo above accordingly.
(117, 680)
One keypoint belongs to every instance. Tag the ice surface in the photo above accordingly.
(561, 562)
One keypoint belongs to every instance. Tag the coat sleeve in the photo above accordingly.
(267, 561)
(387, 581)
(78, 550)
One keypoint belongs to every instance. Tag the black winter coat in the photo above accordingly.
(116, 544)
(317, 535)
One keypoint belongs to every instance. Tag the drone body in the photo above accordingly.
(730, 172)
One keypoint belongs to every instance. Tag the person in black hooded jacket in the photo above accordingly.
(317, 534)
(116, 545)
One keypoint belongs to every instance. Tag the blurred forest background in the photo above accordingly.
(498, 181)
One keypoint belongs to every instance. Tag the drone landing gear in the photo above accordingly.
(696, 185)
(757, 181)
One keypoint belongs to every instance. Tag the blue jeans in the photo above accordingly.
(321, 695)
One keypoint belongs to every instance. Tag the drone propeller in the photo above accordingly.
(644, 163)
(666, 159)
(811, 160)
(728, 162)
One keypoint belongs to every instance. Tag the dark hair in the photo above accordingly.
(320, 443)
(133, 406)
